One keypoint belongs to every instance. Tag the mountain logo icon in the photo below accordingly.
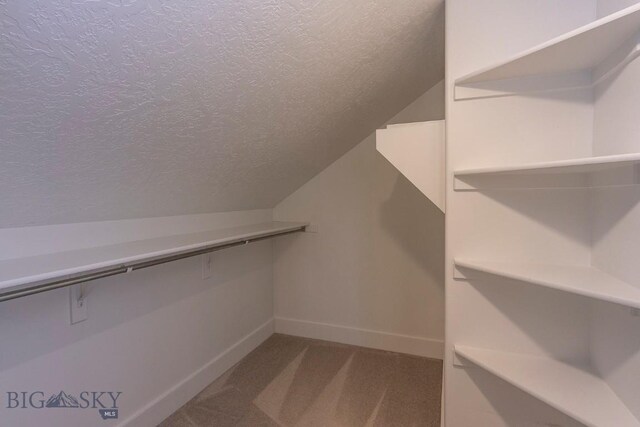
(62, 400)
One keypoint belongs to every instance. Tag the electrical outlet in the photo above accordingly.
(77, 304)
(207, 265)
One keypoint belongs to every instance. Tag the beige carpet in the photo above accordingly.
(291, 381)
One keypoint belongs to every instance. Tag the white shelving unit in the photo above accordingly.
(579, 173)
(582, 57)
(580, 280)
(543, 195)
(575, 391)
(19, 276)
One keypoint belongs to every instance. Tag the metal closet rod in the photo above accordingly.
(51, 284)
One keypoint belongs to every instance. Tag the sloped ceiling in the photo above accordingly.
(122, 108)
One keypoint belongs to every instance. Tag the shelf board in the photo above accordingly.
(576, 167)
(575, 391)
(581, 280)
(590, 53)
(19, 273)
(417, 151)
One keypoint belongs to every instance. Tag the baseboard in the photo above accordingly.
(408, 344)
(169, 401)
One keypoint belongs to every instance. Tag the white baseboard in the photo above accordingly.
(408, 344)
(169, 401)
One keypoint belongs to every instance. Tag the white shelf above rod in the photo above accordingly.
(21, 277)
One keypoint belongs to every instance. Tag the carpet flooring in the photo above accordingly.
(291, 381)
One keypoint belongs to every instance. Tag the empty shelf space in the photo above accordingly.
(575, 391)
(619, 169)
(581, 280)
(19, 273)
(580, 58)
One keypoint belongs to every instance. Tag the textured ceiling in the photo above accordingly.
(122, 108)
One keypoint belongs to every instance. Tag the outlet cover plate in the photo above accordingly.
(207, 265)
(77, 304)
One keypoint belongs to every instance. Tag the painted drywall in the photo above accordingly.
(615, 335)
(158, 335)
(134, 109)
(373, 273)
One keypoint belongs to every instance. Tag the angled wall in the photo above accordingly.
(373, 273)
(134, 109)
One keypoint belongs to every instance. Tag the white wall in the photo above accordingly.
(158, 335)
(606, 7)
(373, 274)
(615, 335)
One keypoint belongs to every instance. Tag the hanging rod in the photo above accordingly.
(50, 284)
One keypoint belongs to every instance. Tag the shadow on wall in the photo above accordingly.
(512, 406)
(423, 240)
(620, 202)
(554, 321)
(559, 214)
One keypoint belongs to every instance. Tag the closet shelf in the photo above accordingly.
(417, 151)
(556, 173)
(575, 391)
(581, 280)
(29, 275)
(580, 58)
